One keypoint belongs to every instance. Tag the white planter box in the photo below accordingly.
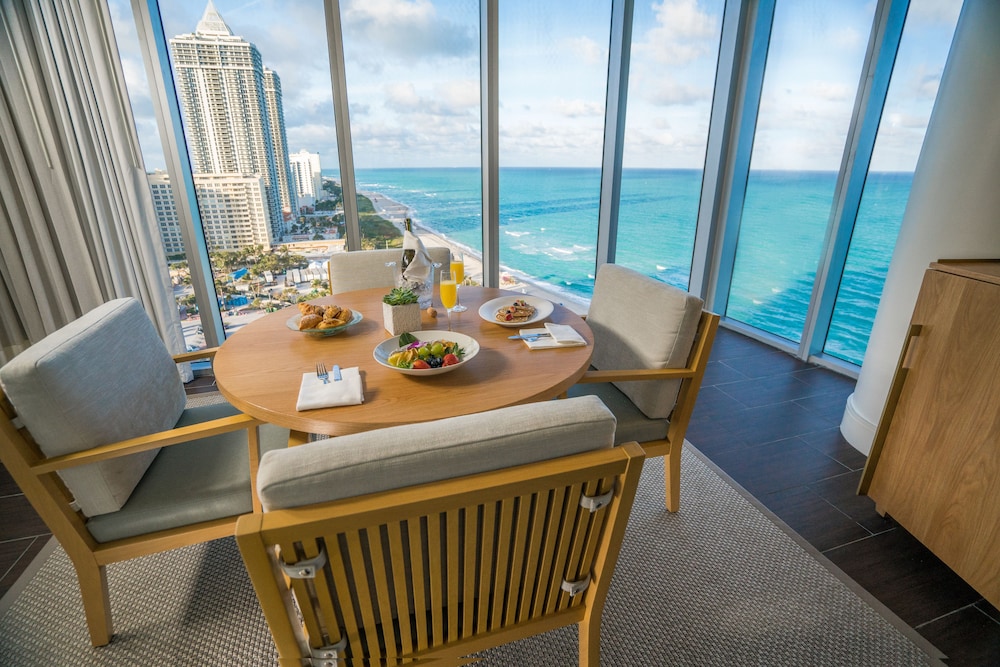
(401, 319)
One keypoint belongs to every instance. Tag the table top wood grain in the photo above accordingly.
(259, 368)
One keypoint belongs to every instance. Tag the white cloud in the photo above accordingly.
(682, 33)
(578, 109)
(404, 29)
(588, 50)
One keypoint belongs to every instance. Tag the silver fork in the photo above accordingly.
(322, 374)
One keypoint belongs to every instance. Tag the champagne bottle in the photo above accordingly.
(408, 253)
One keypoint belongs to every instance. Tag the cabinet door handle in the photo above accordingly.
(891, 402)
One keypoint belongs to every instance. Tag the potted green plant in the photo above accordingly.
(401, 311)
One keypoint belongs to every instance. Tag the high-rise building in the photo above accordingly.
(233, 211)
(232, 111)
(307, 179)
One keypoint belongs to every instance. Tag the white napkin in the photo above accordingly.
(314, 394)
(420, 268)
(560, 335)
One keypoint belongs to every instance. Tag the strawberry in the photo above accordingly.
(421, 364)
(449, 360)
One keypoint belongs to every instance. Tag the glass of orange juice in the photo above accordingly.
(449, 293)
(458, 271)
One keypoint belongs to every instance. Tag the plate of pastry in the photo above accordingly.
(516, 311)
(321, 321)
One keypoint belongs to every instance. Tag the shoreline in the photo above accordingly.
(395, 212)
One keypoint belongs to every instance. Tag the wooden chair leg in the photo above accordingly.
(672, 479)
(96, 602)
(590, 641)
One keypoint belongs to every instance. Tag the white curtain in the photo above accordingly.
(77, 225)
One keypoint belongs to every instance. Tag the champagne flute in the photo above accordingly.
(458, 272)
(449, 293)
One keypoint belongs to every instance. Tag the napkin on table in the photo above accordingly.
(421, 268)
(560, 335)
(314, 394)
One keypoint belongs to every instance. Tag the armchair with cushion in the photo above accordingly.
(436, 540)
(651, 346)
(363, 269)
(95, 430)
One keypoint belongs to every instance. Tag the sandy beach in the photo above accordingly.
(396, 212)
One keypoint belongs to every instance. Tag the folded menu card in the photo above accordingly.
(314, 394)
(559, 335)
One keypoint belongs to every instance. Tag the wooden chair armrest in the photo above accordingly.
(207, 353)
(146, 442)
(636, 374)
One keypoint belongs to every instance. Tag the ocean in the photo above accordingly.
(548, 226)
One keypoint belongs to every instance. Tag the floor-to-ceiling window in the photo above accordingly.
(412, 72)
(813, 66)
(922, 53)
(412, 75)
(553, 63)
(675, 48)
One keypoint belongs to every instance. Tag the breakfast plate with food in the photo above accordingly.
(426, 352)
(318, 320)
(515, 311)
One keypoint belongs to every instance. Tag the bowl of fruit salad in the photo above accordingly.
(426, 352)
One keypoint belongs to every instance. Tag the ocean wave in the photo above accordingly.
(516, 235)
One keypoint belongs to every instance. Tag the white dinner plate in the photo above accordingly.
(293, 324)
(543, 308)
(387, 347)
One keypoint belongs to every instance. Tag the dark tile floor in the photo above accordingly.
(771, 423)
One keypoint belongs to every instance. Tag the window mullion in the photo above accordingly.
(620, 46)
(342, 119)
(489, 58)
(155, 55)
(887, 30)
(743, 48)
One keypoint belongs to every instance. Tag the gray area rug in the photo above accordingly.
(719, 583)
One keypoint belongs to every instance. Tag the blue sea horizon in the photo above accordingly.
(548, 226)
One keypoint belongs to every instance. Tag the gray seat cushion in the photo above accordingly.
(191, 482)
(103, 378)
(402, 456)
(640, 322)
(632, 423)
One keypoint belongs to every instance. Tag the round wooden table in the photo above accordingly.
(259, 368)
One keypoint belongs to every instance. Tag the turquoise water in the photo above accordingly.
(548, 232)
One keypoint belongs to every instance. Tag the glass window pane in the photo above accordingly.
(814, 63)
(255, 101)
(553, 80)
(675, 47)
(413, 85)
(922, 53)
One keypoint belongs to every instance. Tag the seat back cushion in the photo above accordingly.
(365, 269)
(641, 322)
(102, 378)
(403, 456)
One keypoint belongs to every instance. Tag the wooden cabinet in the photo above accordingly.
(935, 462)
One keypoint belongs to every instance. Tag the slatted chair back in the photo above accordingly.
(444, 569)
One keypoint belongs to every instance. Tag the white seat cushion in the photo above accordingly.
(103, 378)
(402, 456)
(640, 322)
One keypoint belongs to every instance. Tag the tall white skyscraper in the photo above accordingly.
(306, 175)
(232, 112)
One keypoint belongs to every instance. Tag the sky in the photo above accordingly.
(412, 70)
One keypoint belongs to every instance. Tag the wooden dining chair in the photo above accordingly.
(363, 269)
(95, 431)
(430, 542)
(652, 342)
